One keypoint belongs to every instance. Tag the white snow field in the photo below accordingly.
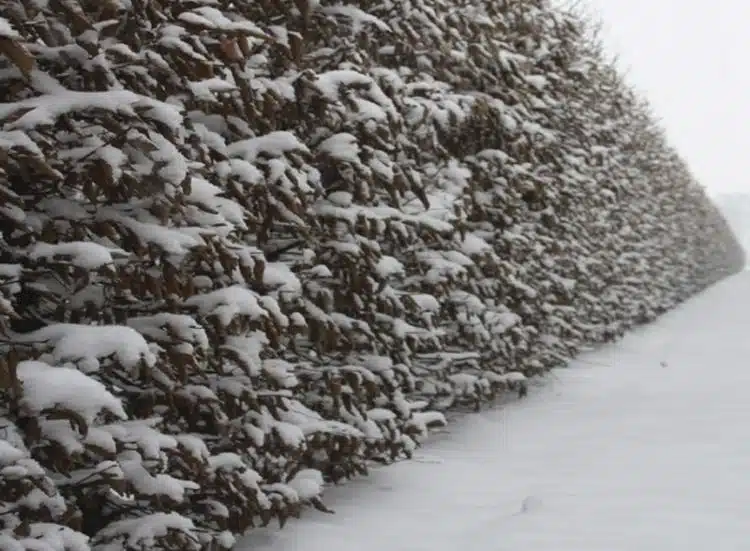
(642, 445)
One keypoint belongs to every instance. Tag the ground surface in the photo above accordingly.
(642, 445)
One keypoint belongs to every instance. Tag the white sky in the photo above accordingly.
(690, 59)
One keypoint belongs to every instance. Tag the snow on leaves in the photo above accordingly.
(248, 248)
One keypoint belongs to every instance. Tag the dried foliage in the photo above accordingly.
(247, 248)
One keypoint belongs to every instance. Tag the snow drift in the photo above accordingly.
(251, 247)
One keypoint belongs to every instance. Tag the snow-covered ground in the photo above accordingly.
(643, 445)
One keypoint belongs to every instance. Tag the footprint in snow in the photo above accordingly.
(529, 505)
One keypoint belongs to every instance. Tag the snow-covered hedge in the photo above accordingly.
(247, 248)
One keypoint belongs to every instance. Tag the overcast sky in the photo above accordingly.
(691, 59)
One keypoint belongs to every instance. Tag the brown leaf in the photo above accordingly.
(274, 338)
(282, 515)
(334, 387)
(259, 268)
(78, 20)
(306, 10)
(295, 46)
(23, 530)
(244, 45)
(5, 378)
(18, 55)
(320, 506)
(353, 380)
(41, 166)
(231, 50)
(265, 516)
(75, 419)
(32, 430)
